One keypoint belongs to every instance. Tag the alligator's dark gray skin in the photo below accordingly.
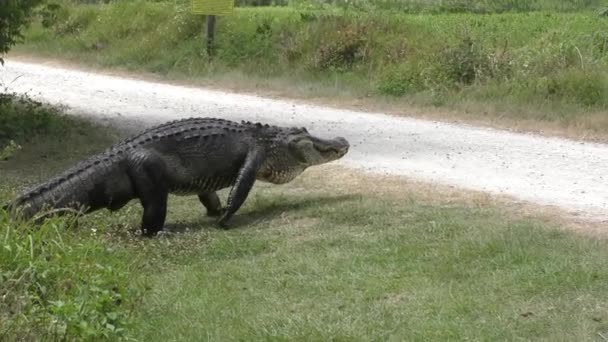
(196, 156)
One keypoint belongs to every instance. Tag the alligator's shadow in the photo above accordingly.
(261, 213)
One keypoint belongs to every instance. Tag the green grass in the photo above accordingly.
(540, 66)
(420, 6)
(15, 126)
(322, 258)
(458, 6)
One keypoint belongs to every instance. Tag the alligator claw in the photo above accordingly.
(223, 221)
(223, 224)
(148, 233)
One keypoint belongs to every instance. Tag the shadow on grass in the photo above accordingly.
(269, 211)
(259, 214)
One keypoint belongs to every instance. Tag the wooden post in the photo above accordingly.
(209, 33)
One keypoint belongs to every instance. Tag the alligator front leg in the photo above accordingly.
(242, 186)
(211, 202)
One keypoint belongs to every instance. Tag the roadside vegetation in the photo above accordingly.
(17, 127)
(502, 61)
(329, 256)
(333, 255)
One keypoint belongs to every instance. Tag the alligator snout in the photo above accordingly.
(341, 145)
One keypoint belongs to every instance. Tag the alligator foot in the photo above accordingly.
(223, 220)
(148, 232)
(211, 202)
(223, 225)
(214, 213)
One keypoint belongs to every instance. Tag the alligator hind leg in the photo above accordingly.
(212, 203)
(155, 213)
(152, 192)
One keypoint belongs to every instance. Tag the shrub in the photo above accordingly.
(575, 85)
(401, 79)
(23, 117)
(340, 51)
(73, 23)
(341, 43)
(14, 16)
(9, 150)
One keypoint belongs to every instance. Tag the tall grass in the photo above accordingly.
(23, 118)
(449, 6)
(56, 283)
(417, 6)
(536, 59)
(57, 280)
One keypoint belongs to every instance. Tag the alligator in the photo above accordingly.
(195, 156)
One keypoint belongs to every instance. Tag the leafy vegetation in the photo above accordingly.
(14, 16)
(458, 6)
(23, 117)
(539, 66)
(314, 259)
(417, 6)
(56, 284)
(317, 258)
(56, 281)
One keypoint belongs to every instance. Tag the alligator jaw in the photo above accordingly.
(338, 146)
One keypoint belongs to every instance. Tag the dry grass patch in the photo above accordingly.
(341, 180)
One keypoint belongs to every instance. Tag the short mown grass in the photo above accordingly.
(332, 256)
(517, 64)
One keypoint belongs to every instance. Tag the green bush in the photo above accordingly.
(410, 6)
(14, 16)
(23, 117)
(451, 55)
(400, 80)
(9, 150)
(574, 85)
(342, 44)
(74, 24)
(252, 40)
(456, 6)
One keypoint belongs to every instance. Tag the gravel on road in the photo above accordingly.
(543, 170)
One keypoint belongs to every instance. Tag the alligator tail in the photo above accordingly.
(76, 190)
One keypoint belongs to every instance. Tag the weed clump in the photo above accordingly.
(400, 80)
(58, 284)
(341, 47)
(23, 118)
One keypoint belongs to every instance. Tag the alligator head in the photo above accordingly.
(291, 150)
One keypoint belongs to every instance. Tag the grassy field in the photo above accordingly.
(548, 66)
(332, 256)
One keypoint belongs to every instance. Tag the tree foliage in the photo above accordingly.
(14, 15)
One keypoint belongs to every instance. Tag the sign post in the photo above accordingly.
(209, 33)
(211, 9)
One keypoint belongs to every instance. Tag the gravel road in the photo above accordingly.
(547, 171)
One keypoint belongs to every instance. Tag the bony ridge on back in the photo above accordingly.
(195, 156)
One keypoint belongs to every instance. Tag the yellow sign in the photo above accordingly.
(212, 7)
